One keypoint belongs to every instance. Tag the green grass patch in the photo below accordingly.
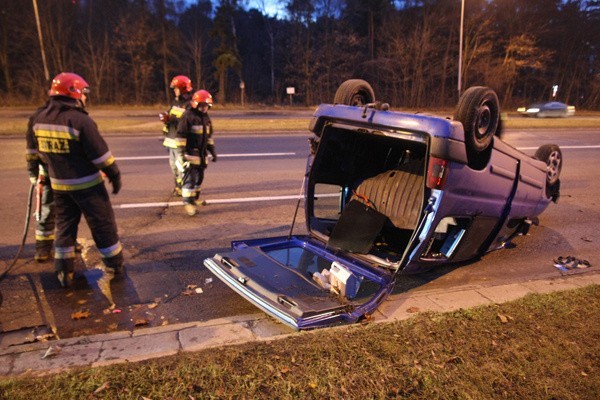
(539, 347)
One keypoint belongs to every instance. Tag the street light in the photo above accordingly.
(39, 28)
(460, 45)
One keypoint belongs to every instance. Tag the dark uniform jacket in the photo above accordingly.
(35, 166)
(175, 113)
(68, 141)
(193, 132)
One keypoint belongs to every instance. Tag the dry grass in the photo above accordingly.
(548, 347)
(144, 120)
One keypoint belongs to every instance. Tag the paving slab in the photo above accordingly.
(504, 293)
(456, 300)
(139, 348)
(202, 337)
(401, 308)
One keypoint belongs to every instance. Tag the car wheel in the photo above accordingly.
(354, 92)
(478, 110)
(552, 156)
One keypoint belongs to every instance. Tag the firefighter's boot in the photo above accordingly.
(43, 250)
(65, 268)
(190, 209)
(114, 267)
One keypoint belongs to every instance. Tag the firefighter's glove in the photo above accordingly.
(164, 117)
(182, 166)
(116, 183)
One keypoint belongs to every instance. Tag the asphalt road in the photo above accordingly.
(251, 193)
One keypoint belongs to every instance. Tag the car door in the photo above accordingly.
(301, 282)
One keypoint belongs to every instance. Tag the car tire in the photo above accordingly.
(552, 156)
(478, 110)
(354, 92)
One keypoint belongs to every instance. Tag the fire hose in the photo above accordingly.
(27, 219)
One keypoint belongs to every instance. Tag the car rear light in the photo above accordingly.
(437, 173)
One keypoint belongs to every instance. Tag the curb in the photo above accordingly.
(131, 346)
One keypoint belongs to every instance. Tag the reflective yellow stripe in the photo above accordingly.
(192, 159)
(55, 131)
(69, 185)
(104, 161)
(44, 235)
(198, 129)
(63, 253)
(170, 143)
(177, 111)
(111, 251)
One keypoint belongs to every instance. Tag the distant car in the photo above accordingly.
(388, 193)
(554, 109)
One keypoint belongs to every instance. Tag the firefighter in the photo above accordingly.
(193, 133)
(38, 175)
(182, 88)
(78, 158)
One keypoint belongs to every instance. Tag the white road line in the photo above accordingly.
(220, 156)
(597, 146)
(221, 201)
(213, 201)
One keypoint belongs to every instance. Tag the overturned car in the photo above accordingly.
(388, 193)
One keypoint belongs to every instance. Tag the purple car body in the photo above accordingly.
(387, 193)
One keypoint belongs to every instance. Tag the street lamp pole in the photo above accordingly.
(460, 45)
(39, 29)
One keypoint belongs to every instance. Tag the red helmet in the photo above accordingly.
(201, 96)
(182, 82)
(68, 84)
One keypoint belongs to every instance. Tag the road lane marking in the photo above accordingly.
(232, 155)
(219, 201)
(563, 147)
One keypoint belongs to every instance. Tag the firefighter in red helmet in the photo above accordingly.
(193, 132)
(68, 142)
(182, 89)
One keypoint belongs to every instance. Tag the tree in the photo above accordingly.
(227, 55)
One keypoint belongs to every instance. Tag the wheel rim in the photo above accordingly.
(554, 161)
(483, 122)
(358, 100)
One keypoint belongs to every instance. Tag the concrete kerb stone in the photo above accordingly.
(504, 293)
(68, 357)
(138, 348)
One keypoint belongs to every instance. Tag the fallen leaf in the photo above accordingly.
(503, 318)
(583, 374)
(412, 310)
(198, 290)
(140, 322)
(52, 351)
(82, 314)
(81, 302)
(188, 292)
(586, 239)
(313, 385)
(284, 370)
(152, 305)
(105, 385)
(192, 287)
(165, 322)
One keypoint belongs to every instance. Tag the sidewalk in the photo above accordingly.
(126, 346)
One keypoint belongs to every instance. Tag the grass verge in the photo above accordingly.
(539, 347)
(132, 120)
